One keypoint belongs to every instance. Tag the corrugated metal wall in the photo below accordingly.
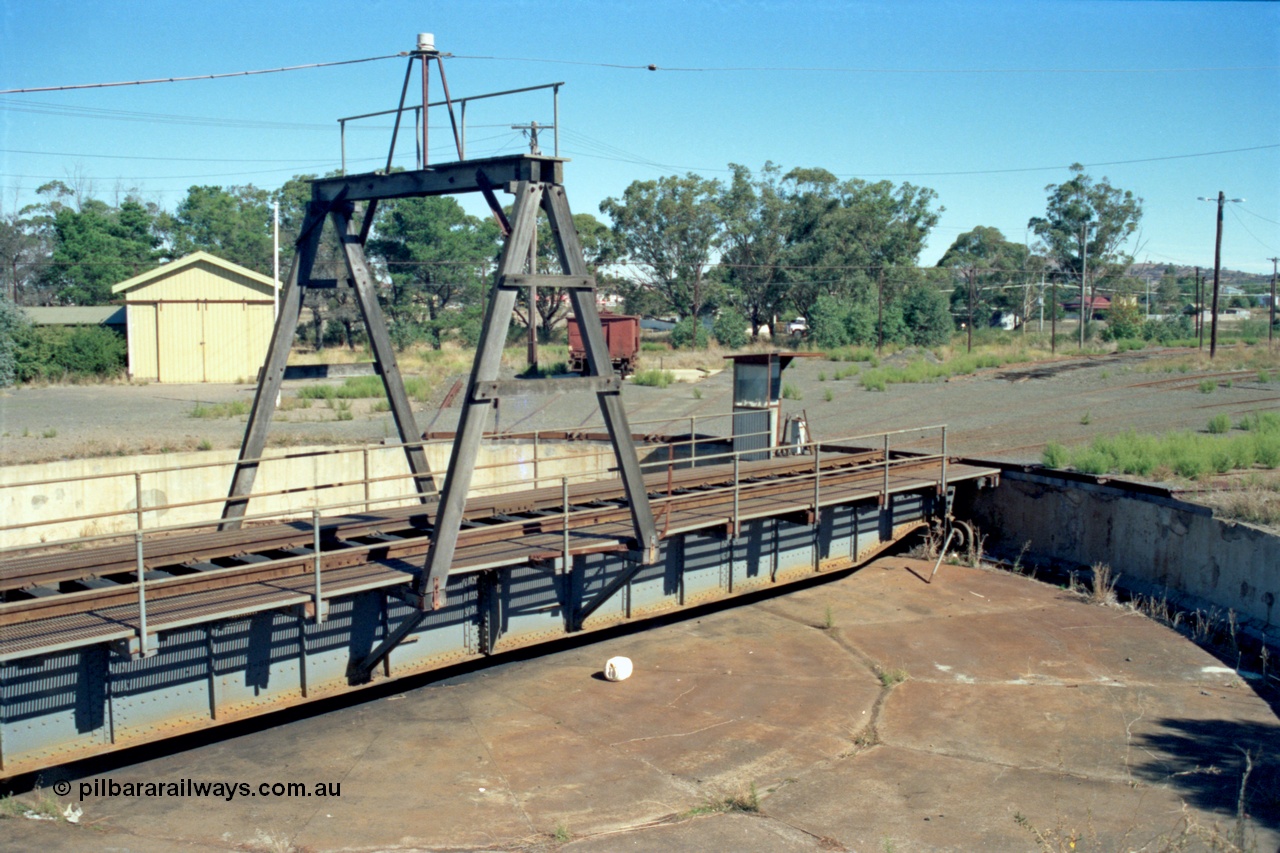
(203, 323)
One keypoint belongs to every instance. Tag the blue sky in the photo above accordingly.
(985, 102)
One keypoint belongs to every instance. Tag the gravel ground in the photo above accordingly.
(1008, 412)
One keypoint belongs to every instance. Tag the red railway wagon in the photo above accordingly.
(621, 333)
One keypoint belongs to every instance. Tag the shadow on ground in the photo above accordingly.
(1205, 762)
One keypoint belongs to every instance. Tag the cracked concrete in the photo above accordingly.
(1019, 702)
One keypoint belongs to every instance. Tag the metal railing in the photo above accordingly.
(880, 441)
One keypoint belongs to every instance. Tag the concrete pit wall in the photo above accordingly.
(35, 511)
(1158, 544)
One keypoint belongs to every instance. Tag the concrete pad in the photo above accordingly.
(1019, 700)
(900, 799)
(736, 831)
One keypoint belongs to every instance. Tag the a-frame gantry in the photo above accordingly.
(537, 184)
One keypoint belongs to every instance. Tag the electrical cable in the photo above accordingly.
(854, 70)
(197, 76)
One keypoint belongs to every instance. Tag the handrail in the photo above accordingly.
(367, 501)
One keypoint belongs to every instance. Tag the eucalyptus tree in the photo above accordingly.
(1085, 228)
(754, 244)
(668, 230)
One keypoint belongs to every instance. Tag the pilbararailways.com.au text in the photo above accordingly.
(196, 788)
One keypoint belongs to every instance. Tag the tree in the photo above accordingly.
(327, 306)
(95, 246)
(598, 249)
(754, 243)
(233, 223)
(668, 228)
(25, 247)
(1084, 230)
(12, 324)
(927, 316)
(850, 238)
(990, 265)
(434, 253)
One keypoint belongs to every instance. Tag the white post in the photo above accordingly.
(275, 260)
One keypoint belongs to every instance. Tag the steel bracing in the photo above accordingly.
(536, 183)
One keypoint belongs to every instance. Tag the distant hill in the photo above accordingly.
(1246, 281)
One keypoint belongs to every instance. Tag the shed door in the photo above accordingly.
(180, 330)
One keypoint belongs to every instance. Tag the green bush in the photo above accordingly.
(689, 333)
(1219, 424)
(12, 321)
(1055, 455)
(57, 352)
(827, 323)
(730, 329)
(654, 378)
(927, 317)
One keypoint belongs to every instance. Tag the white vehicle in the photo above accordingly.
(798, 326)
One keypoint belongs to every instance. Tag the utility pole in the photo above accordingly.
(530, 131)
(1217, 270)
(1271, 326)
(1084, 278)
(970, 309)
(879, 312)
(1053, 318)
(1199, 330)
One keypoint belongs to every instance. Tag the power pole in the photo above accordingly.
(879, 311)
(1271, 326)
(1053, 318)
(530, 130)
(1199, 330)
(970, 309)
(1217, 268)
(1084, 278)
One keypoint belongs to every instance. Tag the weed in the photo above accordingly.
(874, 380)
(1186, 454)
(1219, 424)
(562, 833)
(554, 368)
(654, 378)
(697, 393)
(746, 801)
(1264, 376)
(344, 410)
(233, 409)
(1208, 386)
(1104, 375)
(50, 433)
(10, 807)
(205, 444)
(380, 406)
(789, 392)
(1103, 591)
(822, 376)
(829, 618)
(1086, 419)
(828, 396)
(891, 677)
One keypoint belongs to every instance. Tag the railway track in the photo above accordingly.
(37, 586)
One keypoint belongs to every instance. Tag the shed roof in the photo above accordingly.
(191, 260)
(76, 315)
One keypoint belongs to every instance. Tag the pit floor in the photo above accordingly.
(874, 712)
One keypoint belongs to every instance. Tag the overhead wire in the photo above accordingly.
(219, 76)
(1256, 238)
(864, 70)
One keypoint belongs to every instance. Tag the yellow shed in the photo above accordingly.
(198, 319)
